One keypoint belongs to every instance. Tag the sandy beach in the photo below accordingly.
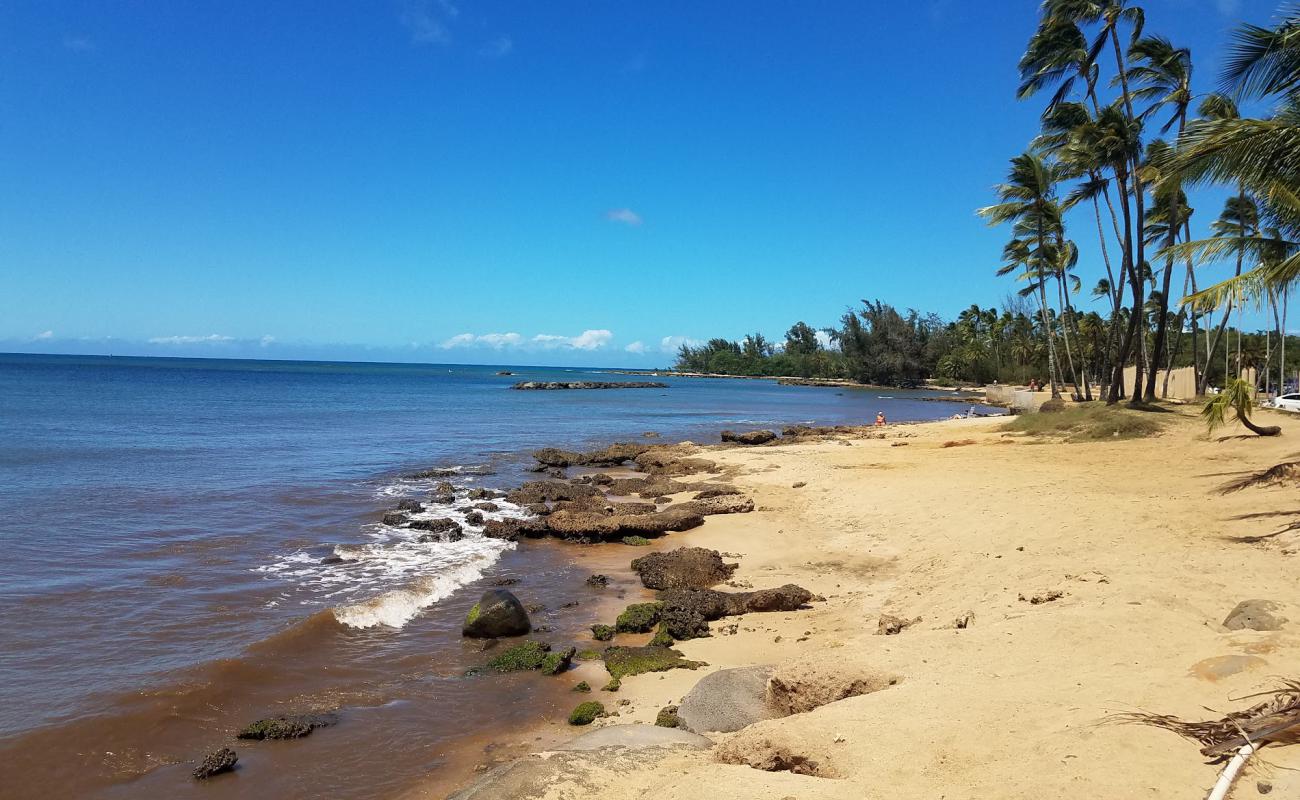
(1088, 593)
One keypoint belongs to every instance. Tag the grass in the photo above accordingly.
(1089, 422)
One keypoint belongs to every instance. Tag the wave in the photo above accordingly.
(398, 607)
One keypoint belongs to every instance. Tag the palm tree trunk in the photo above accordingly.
(1065, 336)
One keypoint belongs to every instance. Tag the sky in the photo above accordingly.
(474, 181)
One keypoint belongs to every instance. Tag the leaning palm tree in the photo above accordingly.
(1028, 200)
(1237, 395)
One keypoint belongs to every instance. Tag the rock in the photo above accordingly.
(410, 505)
(727, 701)
(723, 504)
(1255, 615)
(557, 662)
(555, 457)
(521, 657)
(294, 727)
(614, 455)
(964, 621)
(800, 686)
(497, 613)
(890, 625)
(798, 484)
(550, 492)
(602, 633)
(683, 623)
(651, 435)
(711, 604)
(635, 737)
(505, 581)
(586, 713)
(554, 385)
(582, 686)
(215, 763)
(599, 581)
(716, 491)
(638, 618)
(622, 662)
(662, 637)
(334, 559)
(667, 717)
(683, 568)
(669, 462)
(474, 518)
(513, 529)
(593, 526)
(485, 506)
(749, 437)
(395, 519)
(436, 525)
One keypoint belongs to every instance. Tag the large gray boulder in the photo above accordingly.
(727, 700)
(635, 737)
(497, 613)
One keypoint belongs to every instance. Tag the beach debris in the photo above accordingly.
(667, 717)
(586, 713)
(622, 662)
(797, 687)
(1263, 787)
(966, 620)
(798, 484)
(215, 763)
(727, 700)
(497, 613)
(899, 444)
(291, 727)
(602, 633)
(556, 662)
(1049, 596)
(749, 437)
(1255, 615)
(598, 580)
(1237, 735)
(958, 443)
(556, 385)
(890, 625)
(683, 568)
(521, 657)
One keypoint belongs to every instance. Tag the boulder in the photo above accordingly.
(638, 618)
(550, 492)
(512, 530)
(683, 623)
(591, 526)
(800, 686)
(722, 504)
(683, 568)
(436, 525)
(668, 462)
(497, 613)
(635, 737)
(215, 763)
(395, 519)
(749, 437)
(599, 581)
(474, 518)
(727, 701)
(1255, 615)
(555, 457)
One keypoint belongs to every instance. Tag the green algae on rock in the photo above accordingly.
(638, 617)
(521, 657)
(586, 713)
(622, 662)
(555, 663)
(602, 633)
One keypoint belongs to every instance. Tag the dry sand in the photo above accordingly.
(1134, 534)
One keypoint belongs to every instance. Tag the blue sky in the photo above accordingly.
(504, 182)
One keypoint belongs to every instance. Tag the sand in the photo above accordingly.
(1146, 554)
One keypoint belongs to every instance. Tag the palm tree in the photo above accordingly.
(1028, 200)
(1237, 395)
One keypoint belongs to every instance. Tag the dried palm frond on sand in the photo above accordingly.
(1276, 475)
(1238, 734)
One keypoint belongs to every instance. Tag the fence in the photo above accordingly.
(1182, 382)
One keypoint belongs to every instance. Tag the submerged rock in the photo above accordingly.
(599, 581)
(554, 385)
(521, 657)
(557, 662)
(292, 727)
(215, 763)
(497, 613)
(683, 568)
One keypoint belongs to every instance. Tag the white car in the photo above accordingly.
(1287, 402)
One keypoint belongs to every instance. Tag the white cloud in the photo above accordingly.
(587, 340)
(637, 347)
(459, 340)
(624, 215)
(43, 336)
(671, 344)
(267, 340)
(427, 20)
(824, 339)
(79, 44)
(211, 338)
(499, 47)
(494, 340)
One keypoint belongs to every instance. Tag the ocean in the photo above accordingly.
(193, 543)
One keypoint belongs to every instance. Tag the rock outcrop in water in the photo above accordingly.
(215, 763)
(552, 385)
(294, 727)
(497, 613)
(749, 437)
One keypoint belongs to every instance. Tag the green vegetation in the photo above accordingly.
(582, 686)
(590, 655)
(624, 661)
(1123, 131)
(1238, 396)
(526, 656)
(613, 686)
(636, 541)
(662, 638)
(276, 728)
(602, 633)
(667, 717)
(472, 615)
(586, 713)
(555, 663)
(638, 617)
(1089, 423)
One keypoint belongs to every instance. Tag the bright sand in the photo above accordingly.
(1133, 533)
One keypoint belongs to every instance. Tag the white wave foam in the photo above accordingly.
(400, 606)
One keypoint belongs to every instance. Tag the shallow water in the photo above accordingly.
(164, 523)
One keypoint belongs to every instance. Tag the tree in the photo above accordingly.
(1237, 395)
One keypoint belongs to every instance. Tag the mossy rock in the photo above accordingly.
(521, 657)
(662, 638)
(602, 633)
(638, 617)
(636, 541)
(586, 713)
(555, 663)
(667, 717)
(286, 727)
(588, 655)
(613, 686)
(624, 661)
(472, 616)
(582, 686)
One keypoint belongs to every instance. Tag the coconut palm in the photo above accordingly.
(1239, 396)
